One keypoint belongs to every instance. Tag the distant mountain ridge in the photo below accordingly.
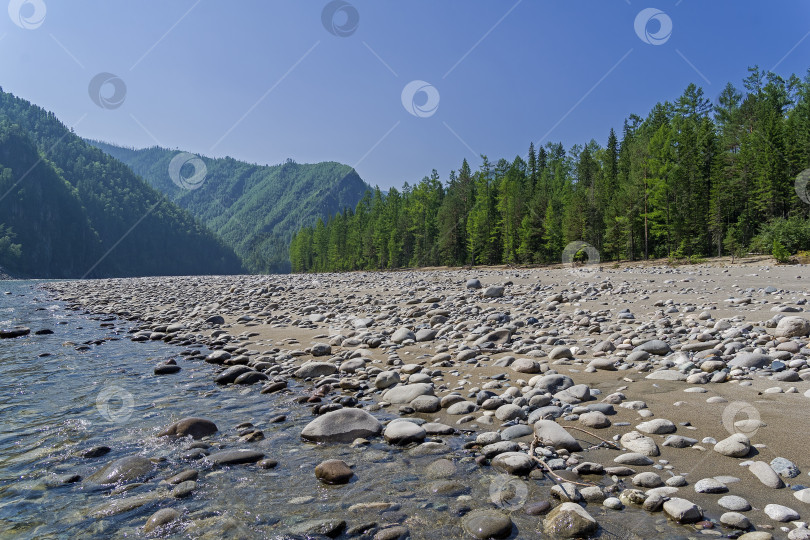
(68, 210)
(255, 209)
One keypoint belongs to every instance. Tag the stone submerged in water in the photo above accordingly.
(485, 524)
(343, 425)
(124, 469)
(569, 520)
(235, 457)
(333, 471)
(197, 428)
(17, 331)
(160, 518)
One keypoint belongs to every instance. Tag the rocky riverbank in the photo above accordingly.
(590, 402)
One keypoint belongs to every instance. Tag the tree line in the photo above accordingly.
(692, 179)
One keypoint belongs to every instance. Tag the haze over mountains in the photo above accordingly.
(73, 209)
(255, 209)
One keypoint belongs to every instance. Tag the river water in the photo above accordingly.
(88, 385)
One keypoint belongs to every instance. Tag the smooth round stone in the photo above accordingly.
(333, 471)
(569, 520)
(735, 520)
(777, 512)
(160, 518)
(647, 480)
(517, 431)
(658, 426)
(507, 412)
(184, 489)
(426, 404)
(484, 524)
(710, 485)
(462, 407)
(402, 433)
(517, 463)
(613, 503)
(633, 458)
(441, 468)
(803, 495)
(537, 508)
(594, 419)
(676, 481)
(636, 442)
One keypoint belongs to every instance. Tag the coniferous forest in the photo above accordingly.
(694, 178)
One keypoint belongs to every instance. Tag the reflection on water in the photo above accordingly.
(86, 386)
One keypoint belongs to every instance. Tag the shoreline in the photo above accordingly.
(299, 315)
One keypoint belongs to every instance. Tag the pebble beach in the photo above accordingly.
(629, 400)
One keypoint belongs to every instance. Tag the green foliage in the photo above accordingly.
(793, 234)
(255, 209)
(77, 211)
(688, 181)
(780, 253)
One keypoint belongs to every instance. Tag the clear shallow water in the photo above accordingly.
(88, 385)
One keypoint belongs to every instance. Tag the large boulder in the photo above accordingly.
(197, 428)
(343, 425)
(792, 327)
(551, 433)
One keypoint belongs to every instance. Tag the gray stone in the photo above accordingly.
(632, 458)
(124, 469)
(735, 520)
(792, 326)
(777, 512)
(517, 463)
(315, 369)
(569, 520)
(710, 485)
(343, 425)
(235, 457)
(493, 291)
(196, 428)
(403, 334)
(737, 445)
(485, 524)
(160, 518)
(552, 434)
(405, 393)
(683, 511)
(766, 475)
(594, 419)
(654, 346)
(658, 426)
(636, 442)
(750, 360)
(734, 503)
(508, 412)
(784, 467)
(402, 433)
(386, 379)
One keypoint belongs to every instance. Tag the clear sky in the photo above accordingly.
(264, 81)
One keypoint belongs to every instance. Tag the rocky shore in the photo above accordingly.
(588, 399)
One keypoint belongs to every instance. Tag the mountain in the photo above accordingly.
(256, 209)
(68, 210)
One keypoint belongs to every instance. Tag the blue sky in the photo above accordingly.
(264, 81)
